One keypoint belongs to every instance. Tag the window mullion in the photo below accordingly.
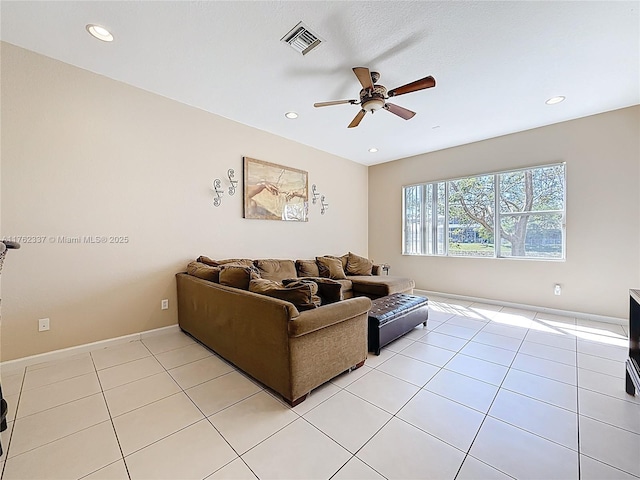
(446, 219)
(497, 239)
(434, 219)
(423, 219)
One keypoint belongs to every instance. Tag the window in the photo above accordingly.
(519, 213)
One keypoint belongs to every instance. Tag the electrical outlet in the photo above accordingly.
(43, 324)
(164, 305)
(557, 290)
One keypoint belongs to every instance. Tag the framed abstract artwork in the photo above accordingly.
(275, 192)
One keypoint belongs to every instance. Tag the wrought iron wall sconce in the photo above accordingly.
(323, 205)
(315, 194)
(233, 183)
(217, 188)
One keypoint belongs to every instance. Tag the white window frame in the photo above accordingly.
(430, 248)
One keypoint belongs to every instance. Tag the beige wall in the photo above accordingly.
(86, 155)
(602, 153)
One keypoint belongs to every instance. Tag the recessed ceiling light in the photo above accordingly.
(554, 100)
(291, 115)
(100, 32)
(373, 150)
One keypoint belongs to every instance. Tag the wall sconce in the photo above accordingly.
(315, 194)
(234, 183)
(217, 188)
(324, 206)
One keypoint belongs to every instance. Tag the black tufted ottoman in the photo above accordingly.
(392, 316)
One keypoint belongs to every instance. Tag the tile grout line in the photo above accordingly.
(57, 381)
(206, 418)
(115, 434)
(468, 341)
(421, 388)
(489, 409)
(184, 427)
(13, 428)
(609, 465)
(578, 414)
(394, 415)
(440, 368)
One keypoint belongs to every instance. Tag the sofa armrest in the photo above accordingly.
(327, 315)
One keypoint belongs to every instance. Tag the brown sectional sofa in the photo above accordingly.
(289, 349)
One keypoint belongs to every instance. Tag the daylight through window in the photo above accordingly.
(518, 213)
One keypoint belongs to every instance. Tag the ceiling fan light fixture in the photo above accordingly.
(373, 104)
(291, 115)
(554, 100)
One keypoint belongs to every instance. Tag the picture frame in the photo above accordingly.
(275, 192)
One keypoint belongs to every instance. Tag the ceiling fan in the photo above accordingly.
(373, 97)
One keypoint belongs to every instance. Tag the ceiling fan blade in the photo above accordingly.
(364, 75)
(358, 118)
(399, 111)
(426, 82)
(335, 102)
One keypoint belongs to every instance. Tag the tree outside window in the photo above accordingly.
(527, 219)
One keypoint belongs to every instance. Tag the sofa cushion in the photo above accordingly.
(301, 293)
(216, 263)
(347, 286)
(307, 268)
(204, 271)
(330, 267)
(237, 276)
(357, 265)
(329, 291)
(381, 285)
(343, 259)
(276, 270)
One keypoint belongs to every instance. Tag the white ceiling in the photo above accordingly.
(495, 63)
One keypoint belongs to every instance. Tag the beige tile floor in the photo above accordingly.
(483, 392)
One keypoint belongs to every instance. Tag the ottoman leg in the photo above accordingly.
(295, 402)
(358, 365)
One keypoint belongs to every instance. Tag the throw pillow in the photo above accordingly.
(344, 259)
(216, 263)
(329, 291)
(207, 260)
(330, 267)
(237, 276)
(307, 268)
(204, 271)
(301, 294)
(357, 265)
(247, 262)
(276, 269)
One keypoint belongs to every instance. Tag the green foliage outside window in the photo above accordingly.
(527, 219)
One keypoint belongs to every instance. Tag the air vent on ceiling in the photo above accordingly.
(301, 39)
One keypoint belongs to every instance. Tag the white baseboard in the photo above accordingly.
(522, 306)
(20, 363)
